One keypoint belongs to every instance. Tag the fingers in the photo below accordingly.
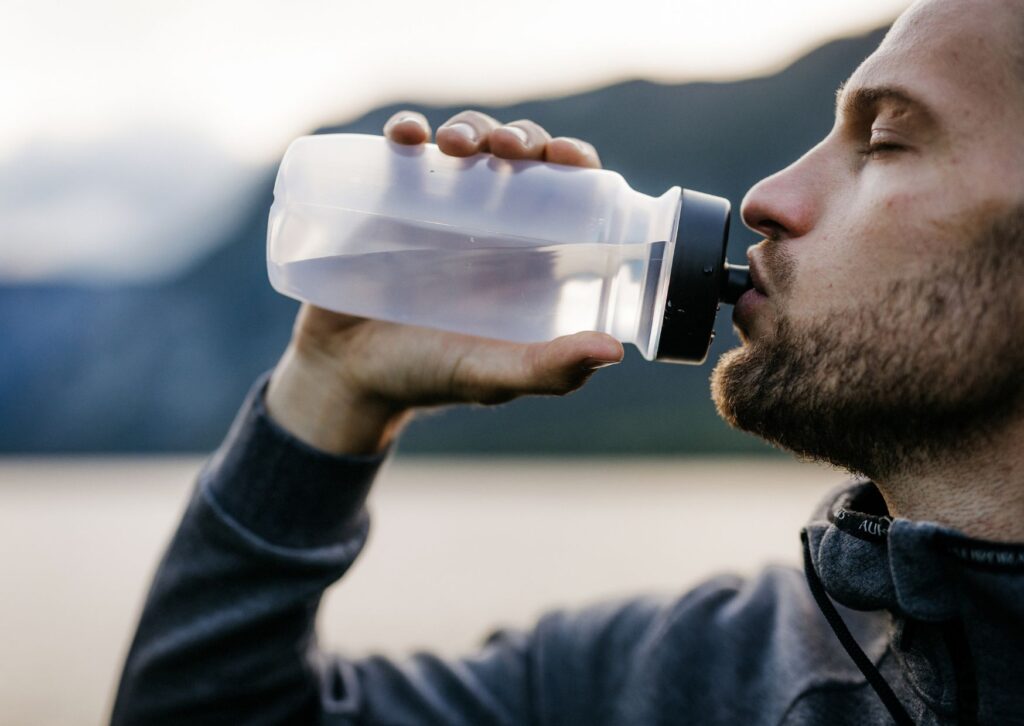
(466, 133)
(523, 139)
(496, 372)
(572, 151)
(563, 364)
(471, 132)
(408, 127)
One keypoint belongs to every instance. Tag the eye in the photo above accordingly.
(877, 149)
(881, 143)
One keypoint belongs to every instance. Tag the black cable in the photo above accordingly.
(892, 703)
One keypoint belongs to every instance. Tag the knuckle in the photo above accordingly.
(531, 127)
(456, 383)
(477, 119)
(584, 146)
(573, 151)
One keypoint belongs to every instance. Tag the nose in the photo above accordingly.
(785, 204)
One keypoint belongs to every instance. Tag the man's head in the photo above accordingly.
(893, 327)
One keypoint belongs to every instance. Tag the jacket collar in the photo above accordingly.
(868, 560)
(934, 580)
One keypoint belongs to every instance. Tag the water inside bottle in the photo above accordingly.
(441, 276)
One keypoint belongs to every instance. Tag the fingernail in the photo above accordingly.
(519, 133)
(409, 117)
(595, 363)
(465, 130)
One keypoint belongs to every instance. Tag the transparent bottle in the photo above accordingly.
(511, 249)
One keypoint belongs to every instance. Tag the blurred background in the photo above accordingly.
(137, 158)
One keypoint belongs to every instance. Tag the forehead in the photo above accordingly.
(958, 57)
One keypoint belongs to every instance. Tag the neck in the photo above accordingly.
(978, 490)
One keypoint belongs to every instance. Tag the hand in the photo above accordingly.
(348, 385)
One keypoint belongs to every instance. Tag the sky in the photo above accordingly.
(252, 74)
(123, 91)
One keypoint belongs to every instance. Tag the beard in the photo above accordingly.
(917, 377)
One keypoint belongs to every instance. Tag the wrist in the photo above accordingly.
(311, 399)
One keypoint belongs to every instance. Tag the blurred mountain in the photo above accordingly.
(120, 207)
(164, 367)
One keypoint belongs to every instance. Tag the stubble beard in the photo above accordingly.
(913, 378)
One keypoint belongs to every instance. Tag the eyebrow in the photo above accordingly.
(860, 100)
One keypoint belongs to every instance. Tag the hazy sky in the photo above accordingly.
(250, 75)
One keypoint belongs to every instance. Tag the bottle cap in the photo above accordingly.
(699, 279)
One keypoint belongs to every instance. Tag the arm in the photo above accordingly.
(227, 630)
(227, 633)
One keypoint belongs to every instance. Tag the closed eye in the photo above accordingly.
(878, 149)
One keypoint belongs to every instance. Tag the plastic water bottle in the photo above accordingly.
(511, 249)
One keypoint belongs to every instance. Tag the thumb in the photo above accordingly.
(564, 364)
(492, 371)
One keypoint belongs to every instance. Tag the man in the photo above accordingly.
(883, 336)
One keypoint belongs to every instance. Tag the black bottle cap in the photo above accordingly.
(699, 278)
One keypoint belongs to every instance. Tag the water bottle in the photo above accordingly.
(519, 250)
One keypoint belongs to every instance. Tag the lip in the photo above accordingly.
(756, 274)
(746, 308)
(750, 302)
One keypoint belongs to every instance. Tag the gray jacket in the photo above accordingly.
(227, 634)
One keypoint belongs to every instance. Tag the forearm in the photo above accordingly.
(227, 630)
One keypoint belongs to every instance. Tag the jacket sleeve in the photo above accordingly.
(227, 632)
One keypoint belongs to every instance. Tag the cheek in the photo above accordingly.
(855, 256)
(895, 229)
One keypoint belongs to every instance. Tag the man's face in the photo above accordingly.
(892, 265)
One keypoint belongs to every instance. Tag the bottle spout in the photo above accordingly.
(735, 282)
